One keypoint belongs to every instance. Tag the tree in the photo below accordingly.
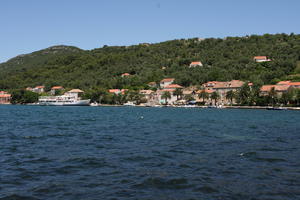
(178, 92)
(23, 97)
(297, 97)
(203, 95)
(272, 94)
(189, 97)
(243, 95)
(166, 95)
(230, 95)
(215, 96)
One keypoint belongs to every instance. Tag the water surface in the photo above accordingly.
(148, 153)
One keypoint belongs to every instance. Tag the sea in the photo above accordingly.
(94, 153)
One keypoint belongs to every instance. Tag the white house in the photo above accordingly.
(75, 92)
(261, 59)
(196, 64)
(165, 82)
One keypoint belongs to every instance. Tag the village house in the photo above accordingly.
(222, 88)
(162, 100)
(208, 91)
(75, 92)
(167, 81)
(295, 84)
(259, 59)
(152, 84)
(149, 95)
(279, 89)
(55, 89)
(265, 89)
(37, 89)
(173, 86)
(196, 64)
(5, 97)
(210, 84)
(118, 91)
(292, 84)
(125, 75)
(283, 83)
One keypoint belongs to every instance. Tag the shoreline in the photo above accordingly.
(172, 106)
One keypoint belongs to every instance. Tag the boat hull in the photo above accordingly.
(75, 103)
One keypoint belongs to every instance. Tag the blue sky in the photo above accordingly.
(30, 25)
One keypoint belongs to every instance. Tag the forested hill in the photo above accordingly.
(223, 59)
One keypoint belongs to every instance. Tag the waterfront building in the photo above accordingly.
(222, 88)
(5, 97)
(279, 89)
(75, 92)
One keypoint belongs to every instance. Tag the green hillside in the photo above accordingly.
(223, 59)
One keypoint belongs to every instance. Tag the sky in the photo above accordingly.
(31, 25)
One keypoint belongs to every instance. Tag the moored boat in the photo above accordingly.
(63, 100)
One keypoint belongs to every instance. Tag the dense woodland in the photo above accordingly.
(223, 59)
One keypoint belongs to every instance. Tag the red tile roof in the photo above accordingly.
(283, 83)
(167, 90)
(5, 95)
(125, 74)
(56, 88)
(294, 83)
(260, 57)
(167, 80)
(282, 87)
(196, 63)
(207, 91)
(146, 92)
(40, 86)
(267, 88)
(114, 90)
(229, 84)
(173, 86)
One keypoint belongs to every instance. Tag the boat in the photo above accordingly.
(276, 108)
(94, 104)
(129, 103)
(63, 100)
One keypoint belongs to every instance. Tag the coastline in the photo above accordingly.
(172, 106)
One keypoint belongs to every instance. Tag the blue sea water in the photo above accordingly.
(148, 153)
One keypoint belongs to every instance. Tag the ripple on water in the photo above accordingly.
(111, 153)
(164, 183)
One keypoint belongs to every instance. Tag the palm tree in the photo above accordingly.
(178, 92)
(166, 95)
(272, 94)
(203, 95)
(215, 96)
(230, 95)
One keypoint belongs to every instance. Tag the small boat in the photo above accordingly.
(276, 108)
(129, 103)
(94, 104)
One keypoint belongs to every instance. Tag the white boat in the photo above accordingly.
(63, 100)
(94, 104)
(129, 103)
